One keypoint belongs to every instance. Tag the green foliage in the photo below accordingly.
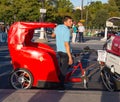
(58, 9)
(18, 10)
(76, 15)
(95, 14)
(98, 13)
(113, 8)
(118, 4)
(101, 17)
(29, 10)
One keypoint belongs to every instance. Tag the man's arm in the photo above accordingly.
(53, 35)
(67, 46)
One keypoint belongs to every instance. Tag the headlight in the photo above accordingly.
(112, 69)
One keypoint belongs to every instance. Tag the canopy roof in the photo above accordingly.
(114, 19)
(19, 30)
(111, 22)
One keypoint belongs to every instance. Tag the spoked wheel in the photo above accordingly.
(108, 80)
(21, 79)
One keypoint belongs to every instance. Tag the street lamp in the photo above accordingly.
(42, 10)
(82, 20)
(42, 13)
(81, 9)
(87, 13)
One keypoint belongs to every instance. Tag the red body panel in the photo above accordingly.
(114, 45)
(40, 59)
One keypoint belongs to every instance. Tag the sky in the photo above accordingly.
(78, 2)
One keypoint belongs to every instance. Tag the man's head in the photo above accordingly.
(67, 20)
(80, 24)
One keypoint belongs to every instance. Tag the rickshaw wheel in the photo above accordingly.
(21, 79)
(108, 80)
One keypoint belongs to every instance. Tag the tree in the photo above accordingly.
(113, 8)
(98, 13)
(76, 15)
(58, 9)
(93, 17)
(29, 10)
(100, 19)
(17, 10)
(118, 4)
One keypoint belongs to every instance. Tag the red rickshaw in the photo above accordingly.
(34, 64)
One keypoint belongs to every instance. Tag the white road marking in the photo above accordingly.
(5, 62)
(5, 73)
(4, 52)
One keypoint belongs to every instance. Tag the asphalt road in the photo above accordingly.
(73, 93)
(86, 58)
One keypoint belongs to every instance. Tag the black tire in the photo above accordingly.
(108, 80)
(21, 79)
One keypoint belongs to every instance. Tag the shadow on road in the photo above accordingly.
(5, 71)
(110, 97)
(55, 95)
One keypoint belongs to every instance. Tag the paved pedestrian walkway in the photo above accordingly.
(39, 95)
(91, 42)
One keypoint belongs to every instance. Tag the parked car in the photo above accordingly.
(101, 34)
(47, 30)
(109, 34)
(36, 31)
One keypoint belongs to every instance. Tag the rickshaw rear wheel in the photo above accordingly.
(108, 80)
(21, 79)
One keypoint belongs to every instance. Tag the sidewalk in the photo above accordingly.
(38, 95)
(91, 42)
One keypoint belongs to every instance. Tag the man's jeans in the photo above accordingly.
(81, 38)
(63, 58)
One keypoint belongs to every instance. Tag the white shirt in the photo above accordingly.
(81, 29)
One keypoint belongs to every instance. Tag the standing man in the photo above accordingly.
(62, 33)
(81, 30)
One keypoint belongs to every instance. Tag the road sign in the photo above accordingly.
(42, 10)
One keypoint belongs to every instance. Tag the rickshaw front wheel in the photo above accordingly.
(21, 79)
(108, 80)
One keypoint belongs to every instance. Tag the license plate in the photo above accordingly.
(101, 55)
